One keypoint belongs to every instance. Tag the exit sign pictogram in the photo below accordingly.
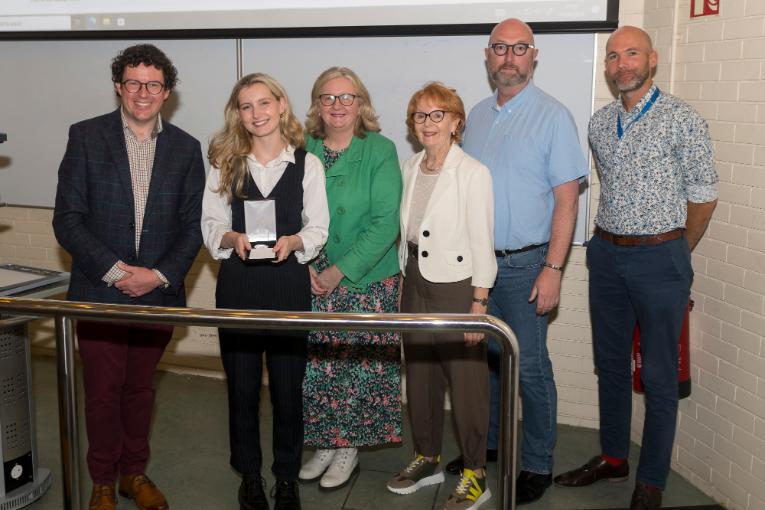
(704, 8)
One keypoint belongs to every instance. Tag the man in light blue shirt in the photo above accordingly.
(529, 142)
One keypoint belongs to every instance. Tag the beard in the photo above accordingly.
(509, 80)
(638, 80)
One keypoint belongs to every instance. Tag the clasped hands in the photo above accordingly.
(137, 280)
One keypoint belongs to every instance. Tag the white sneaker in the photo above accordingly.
(316, 465)
(343, 466)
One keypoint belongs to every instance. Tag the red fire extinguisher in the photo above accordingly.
(683, 359)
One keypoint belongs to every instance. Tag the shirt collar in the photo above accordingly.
(640, 104)
(287, 155)
(516, 100)
(154, 132)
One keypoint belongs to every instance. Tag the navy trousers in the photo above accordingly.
(649, 285)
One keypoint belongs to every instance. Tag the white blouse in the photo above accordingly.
(216, 210)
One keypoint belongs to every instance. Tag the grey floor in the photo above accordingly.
(190, 458)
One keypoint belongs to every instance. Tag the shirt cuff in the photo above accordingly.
(702, 193)
(114, 274)
(162, 277)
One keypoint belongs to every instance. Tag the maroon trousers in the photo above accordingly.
(118, 364)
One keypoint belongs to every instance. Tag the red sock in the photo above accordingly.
(613, 460)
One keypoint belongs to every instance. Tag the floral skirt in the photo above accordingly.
(352, 386)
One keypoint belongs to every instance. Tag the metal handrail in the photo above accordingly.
(65, 311)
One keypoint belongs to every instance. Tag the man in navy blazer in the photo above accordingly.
(128, 207)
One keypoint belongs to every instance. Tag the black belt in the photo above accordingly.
(412, 248)
(505, 253)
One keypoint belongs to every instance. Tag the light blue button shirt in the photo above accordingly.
(530, 145)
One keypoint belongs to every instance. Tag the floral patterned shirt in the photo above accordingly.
(663, 160)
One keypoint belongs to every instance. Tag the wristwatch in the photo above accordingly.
(483, 301)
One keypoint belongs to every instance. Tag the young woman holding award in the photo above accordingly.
(258, 164)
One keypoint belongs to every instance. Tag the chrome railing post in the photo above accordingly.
(508, 423)
(67, 412)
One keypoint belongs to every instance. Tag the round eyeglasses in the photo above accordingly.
(152, 87)
(519, 49)
(435, 116)
(330, 99)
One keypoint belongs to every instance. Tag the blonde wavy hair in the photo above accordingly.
(367, 120)
(231, 145)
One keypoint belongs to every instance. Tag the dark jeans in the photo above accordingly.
(509, 300)
(650, 285)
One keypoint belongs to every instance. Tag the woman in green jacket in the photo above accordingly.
(352, 392)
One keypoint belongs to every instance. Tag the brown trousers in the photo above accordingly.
(434, 360)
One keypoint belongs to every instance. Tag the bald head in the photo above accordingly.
(513, 26)
(637, 36)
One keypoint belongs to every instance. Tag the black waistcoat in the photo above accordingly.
(262, 284)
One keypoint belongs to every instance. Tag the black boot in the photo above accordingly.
(287, 495)
(251, 494)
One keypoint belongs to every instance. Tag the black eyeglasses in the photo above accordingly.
(345, 99)
(519, 49)
(152, 87)
(435, 116)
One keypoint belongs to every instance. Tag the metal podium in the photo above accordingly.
(23, 480)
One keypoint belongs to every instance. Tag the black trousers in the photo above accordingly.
(242, 356)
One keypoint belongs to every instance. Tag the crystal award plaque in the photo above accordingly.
(260, 223)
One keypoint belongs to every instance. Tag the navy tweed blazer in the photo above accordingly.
(94, 214)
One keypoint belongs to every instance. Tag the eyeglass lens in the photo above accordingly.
(133, 86)
(329, 99)
(435, 116)
(519, 49)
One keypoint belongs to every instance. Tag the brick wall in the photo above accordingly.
(719, 66)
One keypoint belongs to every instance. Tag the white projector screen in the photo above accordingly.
(83, 16)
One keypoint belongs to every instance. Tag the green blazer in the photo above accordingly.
(364, 193)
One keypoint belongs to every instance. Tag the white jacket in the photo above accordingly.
(456, 238)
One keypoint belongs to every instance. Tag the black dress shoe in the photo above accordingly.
(287, 495)
(596, 469)
(531, 486)
(645, 498)
(252, 495)
(455, 466)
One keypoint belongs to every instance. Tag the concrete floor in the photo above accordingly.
(190, 458)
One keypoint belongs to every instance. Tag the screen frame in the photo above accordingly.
(558, 27)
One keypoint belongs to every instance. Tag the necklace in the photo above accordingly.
(427, 170)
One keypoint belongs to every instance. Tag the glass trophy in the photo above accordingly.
(260, 224)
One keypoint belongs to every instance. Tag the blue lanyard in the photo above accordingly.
(619, 131)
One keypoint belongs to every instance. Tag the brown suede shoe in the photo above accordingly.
(595, 469)
(102, 498)
(143, 491)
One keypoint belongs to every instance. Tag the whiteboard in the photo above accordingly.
(48, 85)
(393, 68)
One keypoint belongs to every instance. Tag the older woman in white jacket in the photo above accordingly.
(447, 259)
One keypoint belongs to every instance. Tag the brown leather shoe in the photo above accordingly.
(645, 498)
(102, 498)
(143, 491)
(595, 469)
